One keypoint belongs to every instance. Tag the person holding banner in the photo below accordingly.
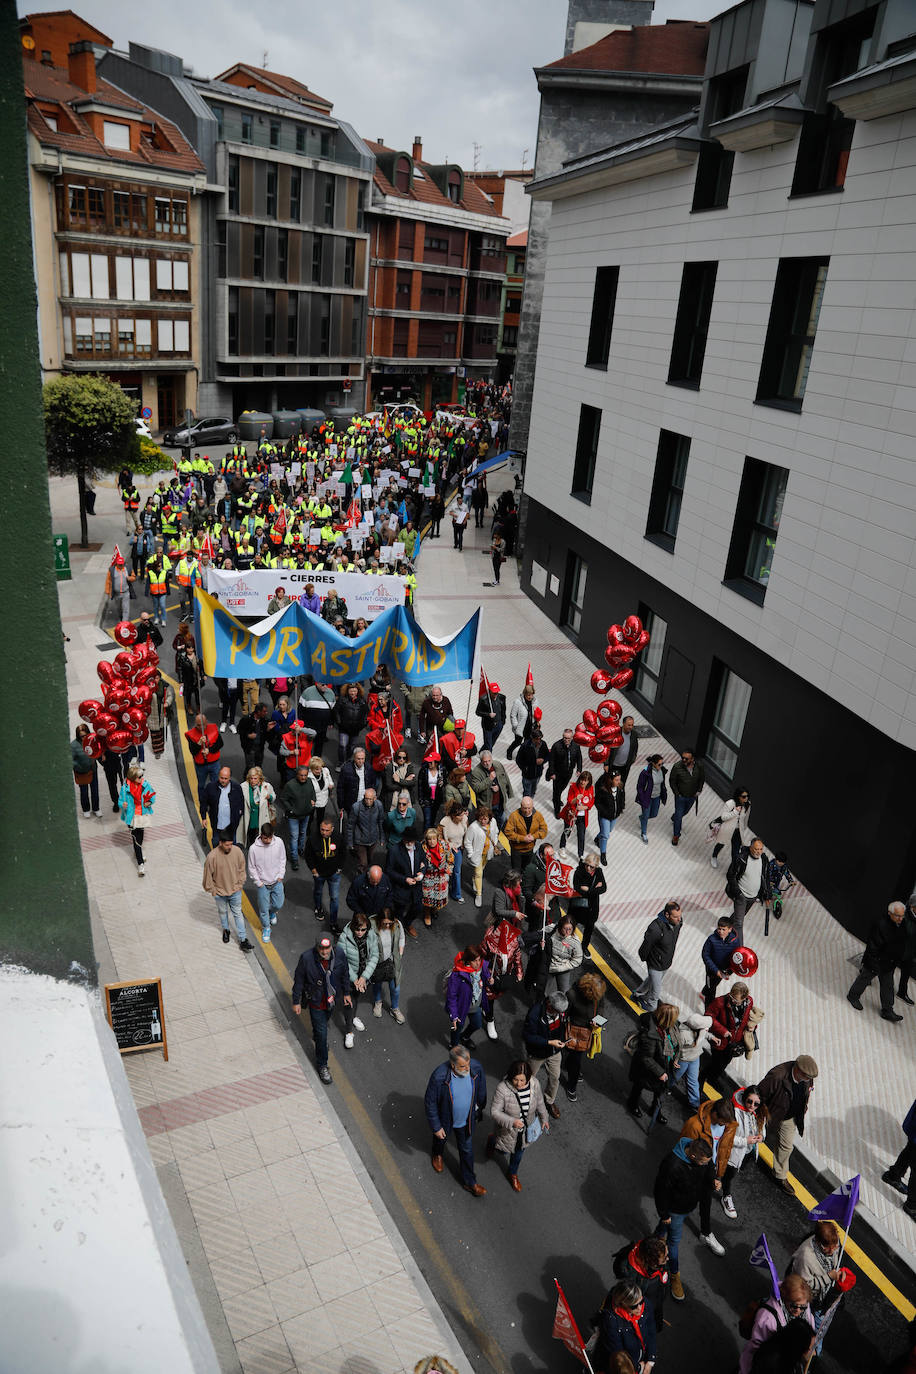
(817, 1261)
(794, 1298)
(626, 1324)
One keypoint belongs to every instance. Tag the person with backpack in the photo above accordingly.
(655, 1059)
(683, 1182)
(657, 953)
(645, 1262)
(760, 1320)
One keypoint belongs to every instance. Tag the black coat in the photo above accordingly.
(350, 716)
(309, 983)
(326, 865)
(888, 945)
(656, 1053)
(370, 898)
(399, 869)
(736, 872)
(563, 762)
(658, 943)
(679, 1185)
(211, 797)
(609, 804)
(348, 783)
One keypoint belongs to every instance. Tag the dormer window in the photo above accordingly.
(402, 174)
(454, 186)
(50, 120)
(115, 135)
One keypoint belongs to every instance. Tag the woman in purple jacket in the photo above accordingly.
(651, 792)
(467, 995)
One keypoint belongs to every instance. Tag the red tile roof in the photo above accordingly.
(518, 240)
(286, 86)
(52, 86)
(677, 48)
(425, 190)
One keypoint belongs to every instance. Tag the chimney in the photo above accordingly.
(81, 66)
(417, 148)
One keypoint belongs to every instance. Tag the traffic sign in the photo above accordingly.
(147, 412)
(62, 558)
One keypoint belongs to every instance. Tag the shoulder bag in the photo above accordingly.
(532, 1128)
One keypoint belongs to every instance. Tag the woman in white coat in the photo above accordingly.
(734, 826)
(480, 844)
(517, 1104)
(521, 717)
(260, 804)
(750, 1116)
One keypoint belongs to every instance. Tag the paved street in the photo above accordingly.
(587, 1187)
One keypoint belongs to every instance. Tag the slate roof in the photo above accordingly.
(425, 190)
(284, 85)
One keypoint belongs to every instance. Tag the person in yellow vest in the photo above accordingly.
(157, 580)
(187, 576)
(170, 520)
(131, 499)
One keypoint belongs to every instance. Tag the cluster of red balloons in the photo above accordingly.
(120, 719)
(600, 729)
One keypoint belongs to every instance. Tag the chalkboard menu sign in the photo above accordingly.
(135, 1014)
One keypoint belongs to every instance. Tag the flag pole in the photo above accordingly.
(584, 1353)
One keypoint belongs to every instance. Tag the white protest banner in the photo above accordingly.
(397, 549)
(314, 538)
(295, 469)
(366, 491)
(248, 593)
(414, 472)
(276, 471)
(310, 471)
(385, 553)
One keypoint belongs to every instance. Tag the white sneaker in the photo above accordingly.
(491, 1030)
(358, 1024)
(478, 900)
(728, 1207)
(398, 1015)
(376, 1010)
(273, 920)
(233, 729)
(407, 734)
(84, 815)
(97, 813)
(141, 870)
(713, 1244)
(348, 1040)
(265, 937)
(713, 861)
(222, 728)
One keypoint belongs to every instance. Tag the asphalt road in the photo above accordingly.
(587, 1186)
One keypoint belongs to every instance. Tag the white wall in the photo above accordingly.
(840, 606)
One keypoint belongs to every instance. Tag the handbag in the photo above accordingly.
(532, 1128)
(384, 971)
(579, 1038)
(82, 779)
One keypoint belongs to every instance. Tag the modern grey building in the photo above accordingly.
(724, 426)
(284, 256)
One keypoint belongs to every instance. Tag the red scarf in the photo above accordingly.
(136, 791)
(435, 853)
(633, 1318)
(513, 898)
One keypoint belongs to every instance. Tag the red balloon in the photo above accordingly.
(845, 1280)
(93, 746)
(641, 641)
(125, 632)
(632, 628)
(151, 655)
(615, 635)
(140, 736)
(119, 741)
(583, 736)
(135, 718)
(609, 710)
(137, 658)
(622, 679)
(117, 703)
(142, 696)
(600, 681)
(105, 724)
(105, 671)
(598, 753)
(744, 962)
(619, 654)
(123, 664)
(142, 649)
(88, 710)
(146, 677)
(537, 713)
(590, 720)
(610, 734)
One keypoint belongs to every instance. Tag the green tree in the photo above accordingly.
(89, 428)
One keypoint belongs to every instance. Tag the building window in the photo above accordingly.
(282, 254)
(361, 209)
(732, 698)
(163, 215)
(435, 245)
(246, 128)
(757, 516)
(292, 323)
(76, 208)
(295, 193)
(586, 453)
(667, 489)
(143, 335)
(233, 185)
(165, 337)
(257, 265)
(171, 276)
(514, 304)
(300, 140)
(324, 344)
(96, 207)
(120, 208)
(269, 322)
(180, 217)
(233, 320)
(694, 307)
(317, 258)
(349, 262)
(826, 135)
(402, 175)
(327, 143)
(510, 336)
(217, 113)
(714, 177)
(604, 299)
(275, 133)
(454, 186)
(126, 337)
(101, 333)
(115, 135)
(797, 297)
(649, 663)
(221, 247)
(270, 202)
(329, 200)
(574, 598)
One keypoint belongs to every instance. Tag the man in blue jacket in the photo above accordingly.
(456, 1096)
(321, 979)
(716, 954)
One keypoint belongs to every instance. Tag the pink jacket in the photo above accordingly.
(267, 862)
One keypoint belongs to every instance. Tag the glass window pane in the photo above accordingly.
(731, 709)
(144, 331)
(163, 275)
(165, 336)
(180, 276)
(719, 753)
(79, 266)
(141, 279)
(182, 336)
(124, 279)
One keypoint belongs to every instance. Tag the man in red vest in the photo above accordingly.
(296, 747)
(206, 746)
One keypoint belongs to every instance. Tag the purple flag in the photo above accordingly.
(760, 1256)
(838, 1205)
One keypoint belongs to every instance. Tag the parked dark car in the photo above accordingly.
(211, 431)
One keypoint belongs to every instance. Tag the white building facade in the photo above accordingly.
(724, 429)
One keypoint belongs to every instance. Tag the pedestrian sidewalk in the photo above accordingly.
(296, 1262)
(866, 1082)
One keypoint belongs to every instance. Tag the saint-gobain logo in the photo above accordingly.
(381, 593)
(240, 588)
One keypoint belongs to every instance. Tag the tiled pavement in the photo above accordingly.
(302, 1268)
(866, 1082)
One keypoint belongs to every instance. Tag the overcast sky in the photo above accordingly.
(455, 74)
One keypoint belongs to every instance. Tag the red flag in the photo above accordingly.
(565, 1329)
(354, 515)
(559, 879)
(207, 546)
(529, 679)
(117, 554)
(280, 523)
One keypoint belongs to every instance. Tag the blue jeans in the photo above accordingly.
(147, 544)
(473, 1022)
(605, 826)
(320, 1021)
(515, 1159)
(464, 1142)
(671, 1231)
(648, 813)
(682, 805)
(231, 905)
(490, 736)
(158, 599)
(333, 883)
(270, 901)
(298, 829)
(456, 874)
(690, 1069)
(529, 786)
(344, 746)
(393, 988)
(206, 772)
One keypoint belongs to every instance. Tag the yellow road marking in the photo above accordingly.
(855, 1252)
